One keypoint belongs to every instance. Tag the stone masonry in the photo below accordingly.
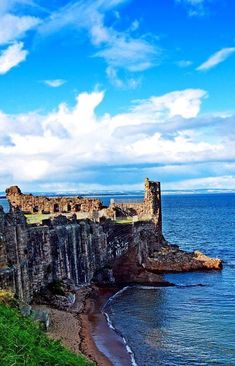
(149, 209)
(30, 204)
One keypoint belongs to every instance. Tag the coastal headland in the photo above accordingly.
(90, 248)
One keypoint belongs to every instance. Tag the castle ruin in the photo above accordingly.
(148, 209)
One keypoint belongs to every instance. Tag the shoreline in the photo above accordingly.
(98, 341)
(84, 328)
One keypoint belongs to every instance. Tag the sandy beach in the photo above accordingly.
(83, 329)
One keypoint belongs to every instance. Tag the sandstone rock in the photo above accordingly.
(175, 260)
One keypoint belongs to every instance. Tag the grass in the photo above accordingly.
(36, 218)
(127, 220)
(23, 343)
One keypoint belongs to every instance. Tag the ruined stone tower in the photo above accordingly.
(152, 200)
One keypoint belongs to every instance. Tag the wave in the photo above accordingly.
(110, 324)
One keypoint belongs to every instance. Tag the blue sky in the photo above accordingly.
(100, 94)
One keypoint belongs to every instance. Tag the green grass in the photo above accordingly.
(36, 218)
(22, 342)
(124, 221)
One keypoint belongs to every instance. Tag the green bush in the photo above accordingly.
(23, 343)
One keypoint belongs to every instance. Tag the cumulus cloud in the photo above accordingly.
(12, 56)
(216, 59)
(73, 144)
(55, 83)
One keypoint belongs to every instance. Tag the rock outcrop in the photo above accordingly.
(172, 259)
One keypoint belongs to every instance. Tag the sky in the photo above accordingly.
(99, 94)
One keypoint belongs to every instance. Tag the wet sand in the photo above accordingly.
(106, 340)
(84, 329)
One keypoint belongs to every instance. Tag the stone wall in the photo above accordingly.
(149, 209)
(32, 256)
(30, 204)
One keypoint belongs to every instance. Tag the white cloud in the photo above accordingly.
(119, 49)
(185, 103)
(12, 56)
(128, 83)
(14, 27)
(209, 183)
(216, 59)
(55, 83)
(68, 143)
(134, 25)
(132, 54)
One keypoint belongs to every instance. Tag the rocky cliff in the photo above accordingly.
(32, 256)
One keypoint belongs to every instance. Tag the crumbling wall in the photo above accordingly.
(149, 209)
(30, 204)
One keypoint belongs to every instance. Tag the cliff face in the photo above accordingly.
(86, 252)
(83, 251)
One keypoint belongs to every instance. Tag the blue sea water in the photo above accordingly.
(186, 325)
(192, 324)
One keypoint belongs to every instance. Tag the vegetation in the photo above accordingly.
(22, 342)
(37, 218)
(6, 296)
(126, 220)
(129, 219)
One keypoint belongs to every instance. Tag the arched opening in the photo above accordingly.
(77, 207)
(35, 209)
(69, 208)
(56, 207)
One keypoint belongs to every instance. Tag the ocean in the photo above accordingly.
(193, 323)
